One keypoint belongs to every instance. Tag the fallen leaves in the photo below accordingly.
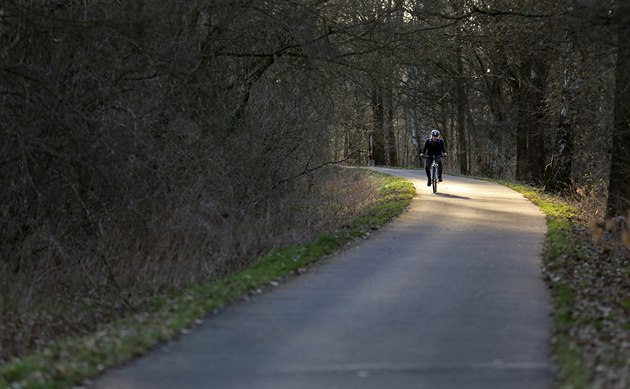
(598, 275)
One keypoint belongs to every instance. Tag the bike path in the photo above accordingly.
(449, 295)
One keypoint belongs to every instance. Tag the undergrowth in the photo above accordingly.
(70, 361)
(587, 272)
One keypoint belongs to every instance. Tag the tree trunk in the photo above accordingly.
(558, 178)
(390, 133)
(521, 130)
(462, 105)
(378, 117)
(535, 125)
(619, 187)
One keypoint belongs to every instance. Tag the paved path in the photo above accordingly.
(449, 295)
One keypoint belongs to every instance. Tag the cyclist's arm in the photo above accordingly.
(426, 147)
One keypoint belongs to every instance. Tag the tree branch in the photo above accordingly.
(308, 170)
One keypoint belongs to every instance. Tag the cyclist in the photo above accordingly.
(434, 147)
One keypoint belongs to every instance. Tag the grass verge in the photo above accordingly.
(561, 245)
(69, 362)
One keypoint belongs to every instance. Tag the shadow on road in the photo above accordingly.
(451, 196)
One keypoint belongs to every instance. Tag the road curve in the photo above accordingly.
(449, 295)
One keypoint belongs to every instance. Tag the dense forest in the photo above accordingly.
(136, 135)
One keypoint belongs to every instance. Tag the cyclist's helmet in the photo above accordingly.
(435, 133)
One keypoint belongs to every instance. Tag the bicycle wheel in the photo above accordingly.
(434, 178)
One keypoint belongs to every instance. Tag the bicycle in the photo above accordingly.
(434, 170)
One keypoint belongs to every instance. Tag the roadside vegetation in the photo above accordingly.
(587, 267)
(66, 361)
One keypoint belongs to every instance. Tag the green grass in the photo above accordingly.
(574, 375)
(68, 362)
(550, 206)
(561, 244)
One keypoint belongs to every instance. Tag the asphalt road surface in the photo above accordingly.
(449, 295)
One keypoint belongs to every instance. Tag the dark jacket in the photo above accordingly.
(432, 149)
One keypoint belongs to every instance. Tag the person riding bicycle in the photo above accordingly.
(434, 147)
